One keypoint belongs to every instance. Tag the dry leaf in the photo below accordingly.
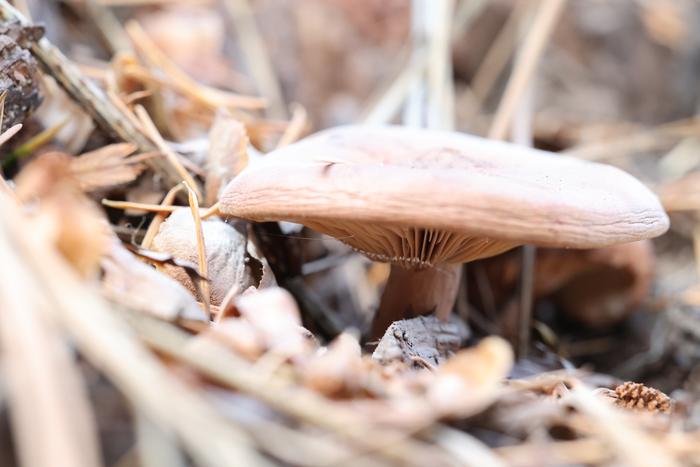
(275, 315)
(238, 334)
(65, 217)
(106, 167)
(228, 154)
(337, 369)
(139, 286)
(470, 381)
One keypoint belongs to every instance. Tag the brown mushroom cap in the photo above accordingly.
(420, 197)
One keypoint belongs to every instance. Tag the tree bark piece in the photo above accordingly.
(422, 339)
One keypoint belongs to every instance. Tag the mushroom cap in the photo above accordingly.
(421, 197)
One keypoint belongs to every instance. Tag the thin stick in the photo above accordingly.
(385, 107)
(256, 56)
(440, 99)
(541, 28)
(496, 57)
(9, 133)
(522, 134)
(109, 26)
(464, 16)
(295, 128)
(158, 219)
(201, 248)
(213, 210)
(167, 151)
(139, 206)
(185, 83)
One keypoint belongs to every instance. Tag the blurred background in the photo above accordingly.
(615, 81)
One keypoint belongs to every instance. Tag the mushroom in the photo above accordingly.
(427, 201)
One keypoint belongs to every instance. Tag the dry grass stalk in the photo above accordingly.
(296, 127)
(212, 97)
(525, 66)
(227, 156)
(167, 151)
(496, 57)
(642, 141)
(468, 450)
(201, 249)
(9, 133)
(158, 219)
(253, 47)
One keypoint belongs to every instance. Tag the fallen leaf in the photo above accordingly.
(106, 167)
(139, 286)
(470, 380)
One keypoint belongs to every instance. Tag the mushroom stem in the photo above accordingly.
(409, 293)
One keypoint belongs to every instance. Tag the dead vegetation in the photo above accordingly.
(167, 297)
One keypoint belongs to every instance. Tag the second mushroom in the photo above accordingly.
(427, 201)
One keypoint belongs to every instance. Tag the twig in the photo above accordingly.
(109, 26)
(640, 141)
(201, 248)
(464, 16)
(182, 81)
(153, 133)
(139, 206)
(158, 219)
(496, 57)
(522, 134)
(257, 58)
(9, 133)
(528, 58)
(384, 107)
(440, 99)
(296, 127)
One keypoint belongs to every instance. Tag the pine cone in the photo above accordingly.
(636, 396)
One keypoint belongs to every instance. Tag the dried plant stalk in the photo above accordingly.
(541, 28)
(201, 249)
(158, 219)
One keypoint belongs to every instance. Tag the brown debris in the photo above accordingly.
(424, 338)
(19, 75)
